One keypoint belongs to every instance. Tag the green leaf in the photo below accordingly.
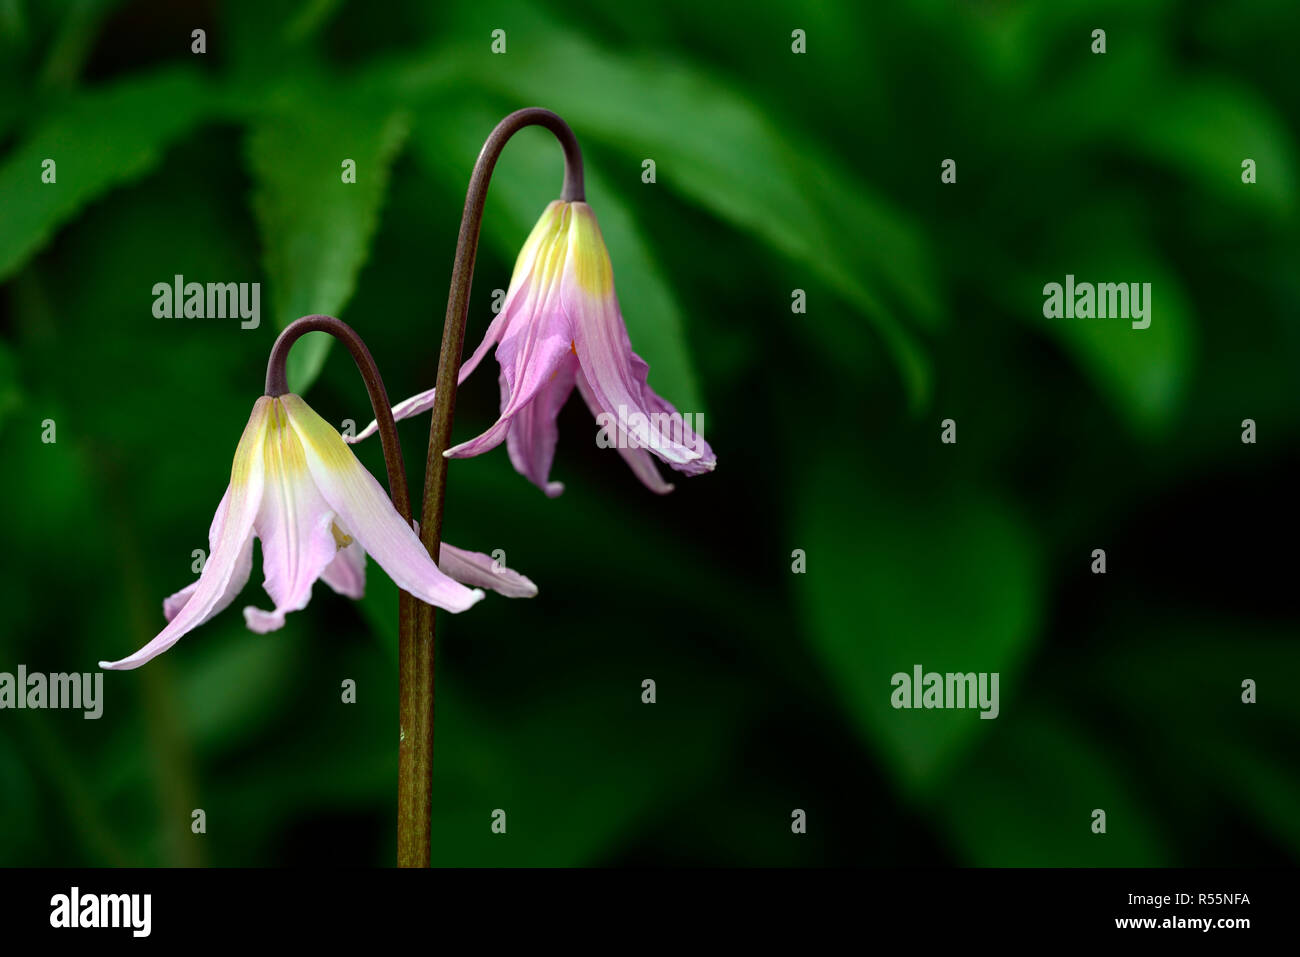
(1144, 373)
(98, 140)
(1054, 776)
(717, 149)
(895, 579)
(316, 229)
(1206, 128)
(526, 179)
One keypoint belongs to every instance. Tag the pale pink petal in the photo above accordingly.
(616, 376)
(295, 524)
(365, 513)
(533, 430)
(616, 379)
(172, 604)
(520, 300)
(482, 571)
(531, 351)
(639, 460)
(347, 573)
(175, 602)
(222, 566)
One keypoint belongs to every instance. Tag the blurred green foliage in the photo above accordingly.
(775, 172)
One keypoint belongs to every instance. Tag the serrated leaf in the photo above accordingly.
(98, 140)
(316, 229)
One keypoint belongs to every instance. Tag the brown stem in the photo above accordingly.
(277, 384)
(415, 754)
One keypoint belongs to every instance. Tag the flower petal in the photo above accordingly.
(219, 578)
(532, 349)
(295, 524)
(475, 568)
(173, 604)
(365, 512)
(533, 430)
(347, 573)
(616, 376)
(639, 460)
(520, 299)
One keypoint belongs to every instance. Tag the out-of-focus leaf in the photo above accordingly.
(527, 178)
(238, 678)
(1144, 373)
(98, 140)
(715, 147)
(1054, 777)
(1201, 127)
(1206, 128)
(895, 579)
(316, 228)
(572, 783)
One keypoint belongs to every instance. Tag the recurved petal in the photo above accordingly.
(365, 513)
(638, 459)
(172, 604)
(533, 430)
(616, 376)
(482, 571)
(232, 544)
(295, 524)
(347, 573)
(420, 402)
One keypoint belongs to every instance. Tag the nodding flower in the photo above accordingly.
(297, 486)
(560, 326)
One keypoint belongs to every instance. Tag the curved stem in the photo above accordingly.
(277, 383)
(415, 754)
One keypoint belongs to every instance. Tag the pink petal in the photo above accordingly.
(639, 460)
(219, 579)
(616, 376)
(520, 299)
(365, 513)
(347, 573)
(533, 430)
(475, 568)
(172, 604)
(295, 524)
(532, 350)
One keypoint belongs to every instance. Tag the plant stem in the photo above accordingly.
(277, 383)
(416, 672)
(407, 607)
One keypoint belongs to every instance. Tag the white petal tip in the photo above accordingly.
(261, 621)
(554, 489)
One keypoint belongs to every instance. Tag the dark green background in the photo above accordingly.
(775, 172)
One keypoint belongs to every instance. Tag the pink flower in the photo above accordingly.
(560, 327)
(297, 487)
